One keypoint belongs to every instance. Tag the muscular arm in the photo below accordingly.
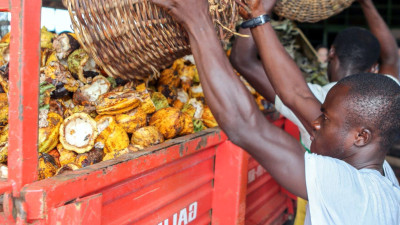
(285, 76)
(389, 57)
(237, 114)
(244, 58)
(232, 104)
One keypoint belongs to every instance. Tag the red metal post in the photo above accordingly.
(4, 5)
(24, 92)
(229, 200)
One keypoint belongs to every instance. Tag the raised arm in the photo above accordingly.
(244, 58)
(282, 71)
(389, 57)
(231, 103)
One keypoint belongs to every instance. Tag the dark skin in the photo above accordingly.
(301, 100)
(331, 137)
(245, 61)
(245, 125)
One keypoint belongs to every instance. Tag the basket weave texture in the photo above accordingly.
(134, 39)
(310, 10)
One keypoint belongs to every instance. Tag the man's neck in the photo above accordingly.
(367, 158)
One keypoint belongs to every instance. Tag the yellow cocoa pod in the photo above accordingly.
(169, 92)
(159, 100)
(6, 38)
(46, 38)
(167, 121)
(146, 105)
(56, 156)
(196, 92)
(4, 153)
(208, 118)
(188, 127)
(4, 144)
(3, 108)
(47, 166)
(112, 136)
(178, 64)
(178, 104)
(141, 87)
(105, 126)
(66, 156)
(51, 58)
(132, 120)
(67, 167)
(117, 141)
(194, 108)
(114, 103)
(48, 136)
(169, 77)
(112, 155)
(147, 136)
(89, 158)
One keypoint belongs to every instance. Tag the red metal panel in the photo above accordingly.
(140, 181)
(269, 211)
(258, 197)
(44, 195)
(261, 188)
(267, 202)
(5, 186)
(8, 206)
(187, 210)
(3, 219)
(292, 129)
(83, 211)
(255, 170)
(4, 5)
(24, 91)
(230, 185)
(149, 195)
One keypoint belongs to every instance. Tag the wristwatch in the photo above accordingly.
(260, 20)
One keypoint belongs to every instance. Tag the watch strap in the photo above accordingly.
(257, 21)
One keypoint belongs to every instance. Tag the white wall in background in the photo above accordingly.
(56, 20)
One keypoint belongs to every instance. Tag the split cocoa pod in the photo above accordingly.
(114, 103)
(78, 133)
(112, 137)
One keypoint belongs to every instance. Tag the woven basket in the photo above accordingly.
(310, 10)
(135, 39)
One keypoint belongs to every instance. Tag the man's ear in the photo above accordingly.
(331, 53)
(374, 68)
(363, 137)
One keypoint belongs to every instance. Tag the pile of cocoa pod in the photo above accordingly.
(86, 116)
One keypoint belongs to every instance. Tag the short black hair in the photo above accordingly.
(357, 49)
(373, 100)
(320, 46)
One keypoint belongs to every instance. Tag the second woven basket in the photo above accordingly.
(310, 10)
(134, 39)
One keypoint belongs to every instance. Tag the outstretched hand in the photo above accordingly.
(185, 12)
(253, 8)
